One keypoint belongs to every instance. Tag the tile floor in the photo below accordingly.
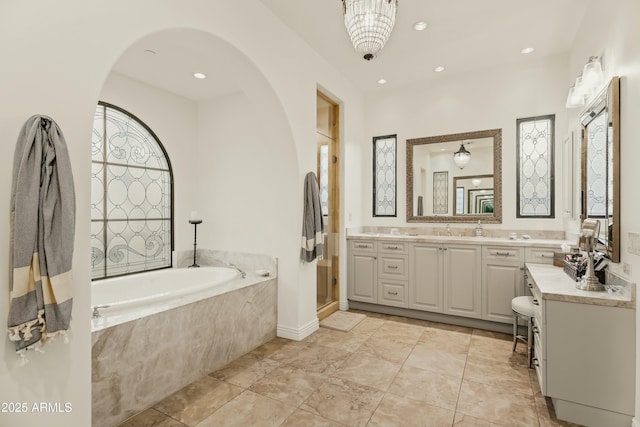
(387, 371)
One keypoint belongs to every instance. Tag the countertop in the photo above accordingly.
(468, 240)
(555, 284)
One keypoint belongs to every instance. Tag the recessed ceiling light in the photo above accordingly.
(527, 50)
(382, 82)
(420, 25)
(439, 69)
(199, 75)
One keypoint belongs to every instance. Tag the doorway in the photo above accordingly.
(328, 161)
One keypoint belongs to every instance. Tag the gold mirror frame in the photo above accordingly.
(496, 218)
(608, 100)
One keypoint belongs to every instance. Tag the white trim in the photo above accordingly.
(300, 333)
(635, 422)
(344, 306)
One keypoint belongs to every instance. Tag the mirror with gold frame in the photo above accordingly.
(434, 180)
(600, 123)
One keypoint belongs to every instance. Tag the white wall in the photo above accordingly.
(55, 60)
(612, 29)
(465, 102)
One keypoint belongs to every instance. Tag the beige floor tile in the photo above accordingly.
(198, 400)
(289, 384)
(451, 341)
(512, 376)
(439, 360)
(426, 386)
(246, 370)
(404, 412)
(392, 351)
(547, 414)
(410, 321)
(368, 326)
(496, 404)
(151, 418)
(399, 332)
(453, 328)
(496, 347)
(347, 341)
(344, 401)
(279, 349)
(249, 409)
(302, 418)
(462, 420)
(318, 358)
(368, 369)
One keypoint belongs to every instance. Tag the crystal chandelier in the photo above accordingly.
(369, 24)
(461, 157)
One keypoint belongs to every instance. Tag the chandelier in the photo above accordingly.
(461, 157)
(369, 24)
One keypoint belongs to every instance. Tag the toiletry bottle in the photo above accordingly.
(479, 229)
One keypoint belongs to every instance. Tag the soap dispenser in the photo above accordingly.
(479, 229)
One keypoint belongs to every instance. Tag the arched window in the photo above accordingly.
(131, 196)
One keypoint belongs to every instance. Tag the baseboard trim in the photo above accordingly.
(344, 306)
(298, 334)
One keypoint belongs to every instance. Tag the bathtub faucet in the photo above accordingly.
(242, 273)
(96, 312)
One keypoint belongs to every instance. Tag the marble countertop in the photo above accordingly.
(555, 284)
(468, 240)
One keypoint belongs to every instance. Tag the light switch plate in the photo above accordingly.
(634, 243)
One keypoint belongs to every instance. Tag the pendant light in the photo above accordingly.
(369, 24)
(462, 156)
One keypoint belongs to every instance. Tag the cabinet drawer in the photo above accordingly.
(393, 267)
(540, 365)
(393, 292)
(502, 252)
(364, 245)
(393, 247)
(539, 255)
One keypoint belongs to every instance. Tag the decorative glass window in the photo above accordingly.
(323, 176)
(384, 175)
(535, 186)
(131, 196)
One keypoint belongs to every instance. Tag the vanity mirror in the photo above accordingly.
(600, 124)
(438, 190)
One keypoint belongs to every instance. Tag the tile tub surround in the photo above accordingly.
(328, 380)
(138, 363)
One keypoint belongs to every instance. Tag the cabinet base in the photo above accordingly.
(433, 317)
(589, 416)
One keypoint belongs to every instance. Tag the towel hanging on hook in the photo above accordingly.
(312, 224)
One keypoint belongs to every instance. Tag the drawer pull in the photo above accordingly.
(530, 285)
(501, 254)
(535, 329)
(391, 247)
(392, 293)
(393, 267)
(536, 362)
(535, 301)
(363, 246)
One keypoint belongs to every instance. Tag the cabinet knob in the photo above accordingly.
(535, 330)
(536, 362)
(535, 301)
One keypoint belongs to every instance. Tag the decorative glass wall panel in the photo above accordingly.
(535, 150)
(384, 175)
(324, 179)
(598, 159)
(440, 189)
(131, 196)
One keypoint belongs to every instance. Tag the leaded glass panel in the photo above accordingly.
(440, 190)
(535, 167)
(384, 176)
(324, 179)
(131, 229)
(597, 162)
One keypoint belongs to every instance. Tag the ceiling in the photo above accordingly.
(462, 36)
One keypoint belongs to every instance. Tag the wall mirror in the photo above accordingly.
(438, 190)
(600, 124)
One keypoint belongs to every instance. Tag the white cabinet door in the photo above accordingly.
(462, 281)
(363, 277)
(425, 277)
(501, 282)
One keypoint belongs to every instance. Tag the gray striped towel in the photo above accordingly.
(312, 225)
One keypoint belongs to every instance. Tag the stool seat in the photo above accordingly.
(523, 305)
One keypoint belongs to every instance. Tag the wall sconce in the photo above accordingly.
(587, 84)
(461, 157)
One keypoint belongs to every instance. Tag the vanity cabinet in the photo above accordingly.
(445, 279)
(502, 280)
(393, 273)
(363, 271)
